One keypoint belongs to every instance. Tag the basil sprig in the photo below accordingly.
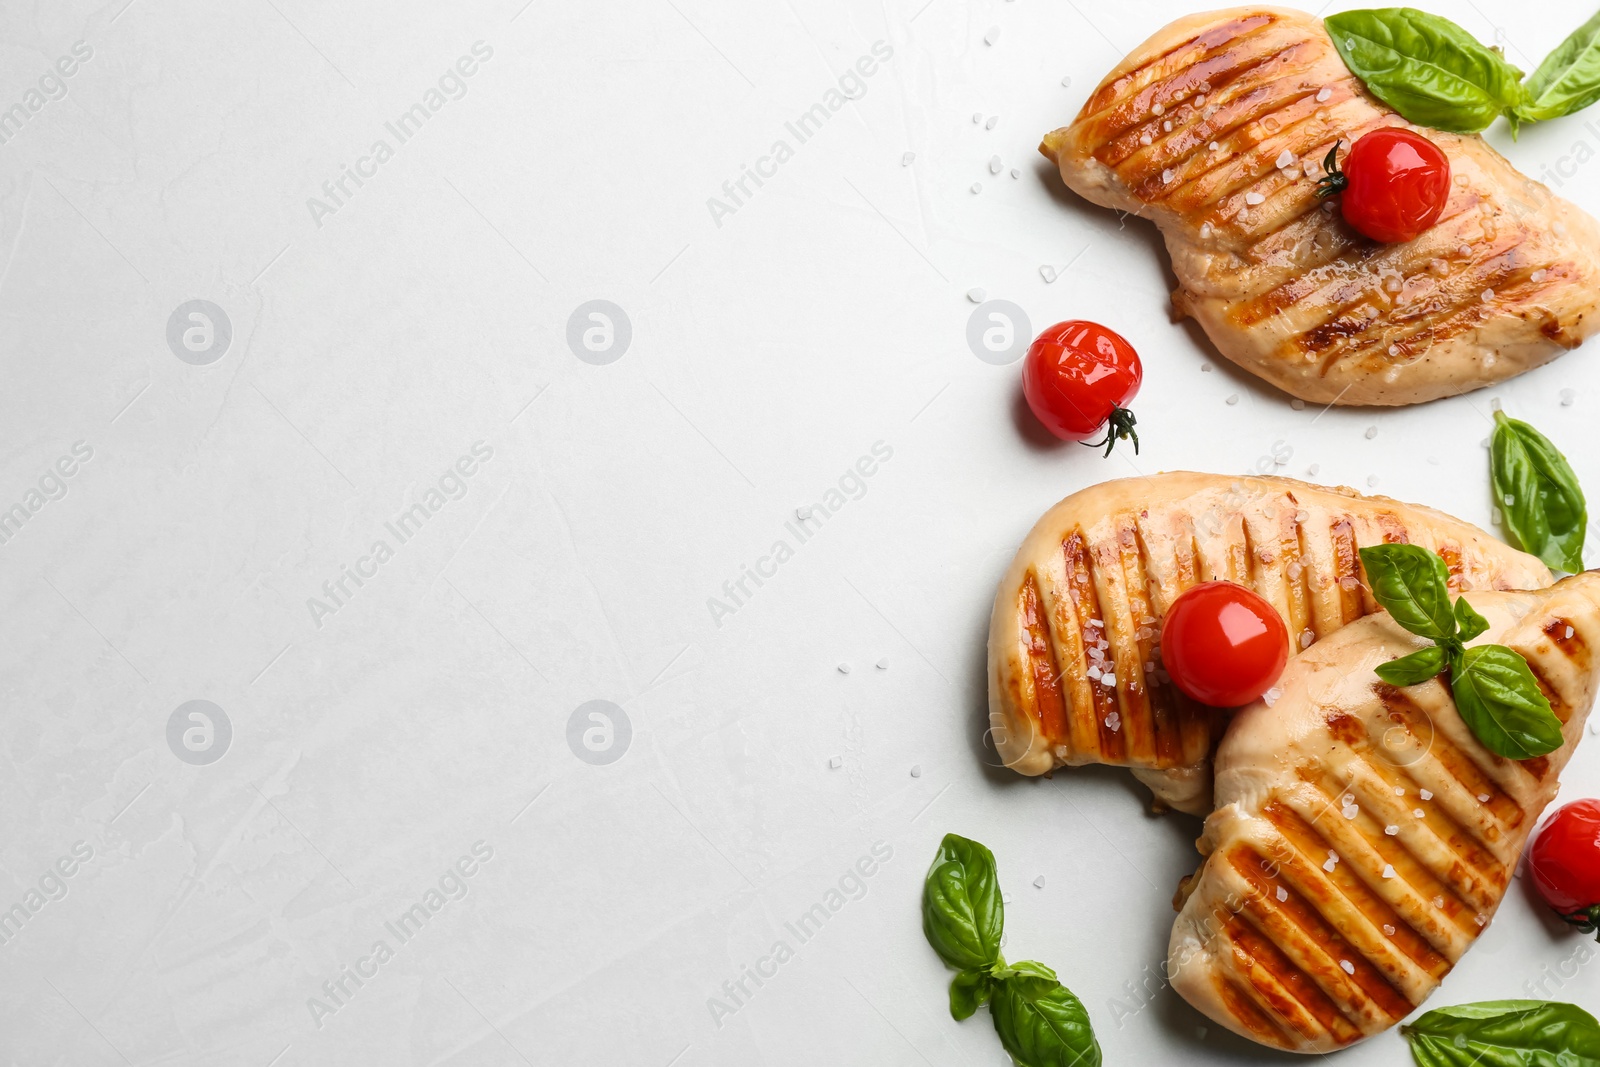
(1435, 73)
(1040, 1022)
(1494, 690)
(1505, 1033)
(1427, 68)
(1539, 494)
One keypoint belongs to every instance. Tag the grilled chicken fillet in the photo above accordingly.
(1215, 129)
(1363, 838)
(1074, 659)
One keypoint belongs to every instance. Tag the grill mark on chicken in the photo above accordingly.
(1299, 923)
(1243, 1004)
(1451, 759)
(1281, 986)
(1565, 637)
(1086, 602)
(1042, 656)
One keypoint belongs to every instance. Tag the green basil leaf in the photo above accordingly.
(1040, 1022)
(1427, 68)
(1569, 78)
(969, 991)
(962, 914)
(1539, 495)
(1415, 668)
(1469, 623)
(1412, 584)
(1506, 1033)
(1501, 703)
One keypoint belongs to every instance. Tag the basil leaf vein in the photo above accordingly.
(1500, 702)
(1427, 68)
(1411, 584)
(1569, 78)
(1506, 1033)
(962, 913)
(1539, 494)
(1413, 669)
(1040, 1022)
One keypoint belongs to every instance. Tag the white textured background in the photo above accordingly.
(373, 346)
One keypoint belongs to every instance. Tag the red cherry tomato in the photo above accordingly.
(1078, 378)
(1223, 645)
(1565, 860)
(1393, 186)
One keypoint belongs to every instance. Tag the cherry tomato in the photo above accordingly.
(1223, 645)
(1078, 378)
(1393, 186)
(1565, 861)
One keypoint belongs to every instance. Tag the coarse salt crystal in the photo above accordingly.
(1253, 197)
(1330, 865)
(1464, 250)
(1038, 883)
(992, 36)
(1425, 794)
(1200, 101)
(1215, 147)
(1569, 633)
(1270, 697)
(1286, 158)
(1205, 229)
(1399, 790)
(993, 119)
(1323, 94)
(1487, 295)
(1109, 680)
(977, 187)
(977, 117)
(1419, 813)
(1158, 109)
(1347, 967)
(1233, 398)
(1388, 870)
(1483, 798)
(1168, 174)
(844, 668)
(1167, 126)
(835, 762)
(1114, 722)
(1537, 276)
(1389, 930)
(916, 770)
(995, 166)
(1371, 432)
(883, 664)
(906, 160)
(1438, 901)
(1351, 811)
(976, 294)
(1394, 350)
(1283, 894)
(1145, 139)
(1016, 172)
(1391, 829)
(1307, 638)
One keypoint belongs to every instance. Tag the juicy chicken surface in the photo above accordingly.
(1363, 838)
(1074, 639)
(1215, 129)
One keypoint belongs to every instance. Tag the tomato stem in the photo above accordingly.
(1119, 427)
(1334, 180)
(1587, 920)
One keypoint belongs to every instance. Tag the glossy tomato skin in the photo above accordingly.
(1077, 376)
(1223, 645)
(1565, 861)
(1396, 183)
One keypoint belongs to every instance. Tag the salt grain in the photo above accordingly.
(977, 187)
(835, 762)
(1487, 295)
(844, 668)
(1158, 110)
(1399, 790)
(1438, 902)
(1330, 865)
(1283, 894)
(1016, 173)
(1394, 350)
(1254, 197)
(916, 770)
(1038, 883)
(1111, 681)
(1270, 697)
(1389, 930)
(1419, 813)
(1215, 147)
(976, 294)
(1391, 829)
(1048, 273)
(1388, 870)
(1166, 126)
(883, 664)
(1114, 722)
(1146, 139)
(1483, 798)
(1205, 230)
(905, 160)
(1567, 397)
(1311, 471)
(977, 117)
(1425, 794)
(1066, 83)
(1323, 94)
(1168, 174)
(992, 36)
(995, 166)
(1351, 811)
(1286, 158)
(1233, 398)
(1537, 276)
(1347, 967)
(1297, 404)
(1372, 481)
(1372, 431)
(993, 119)
(1307, 638)
(1569, 633)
